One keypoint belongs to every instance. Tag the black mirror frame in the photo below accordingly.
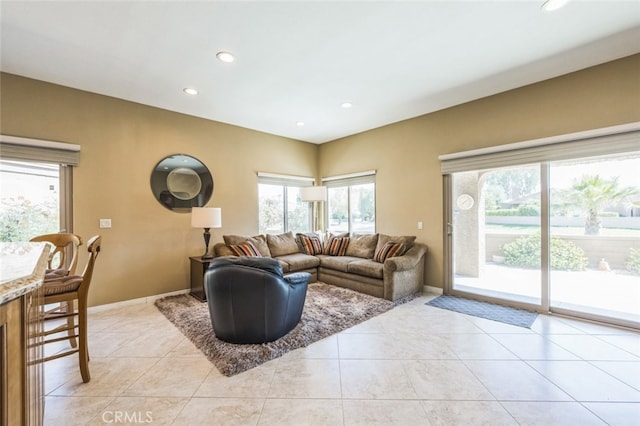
(163, 195)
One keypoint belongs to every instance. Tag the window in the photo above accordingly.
(36, 187)
(30, 200)
(280, 207)
(351, 203)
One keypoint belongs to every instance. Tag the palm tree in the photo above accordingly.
(592, 194)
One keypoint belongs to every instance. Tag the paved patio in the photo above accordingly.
(611, 293)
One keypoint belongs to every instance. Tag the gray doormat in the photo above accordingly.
(490, 311)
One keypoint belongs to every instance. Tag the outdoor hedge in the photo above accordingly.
(525, 253)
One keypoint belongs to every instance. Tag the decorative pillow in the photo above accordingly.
(282, 244)
(310, 244)
(328, 237)
(389, 249)
(259, 241)
(337, 246)
(245, 249)
(407, 240)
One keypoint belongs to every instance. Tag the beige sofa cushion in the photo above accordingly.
(223, 250)
(299, 261)
(366, 267)
(363, 245)
(406, 240)
(282, 244)
(259, 241)
(339, 263)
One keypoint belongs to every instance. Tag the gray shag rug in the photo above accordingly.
(327, 310)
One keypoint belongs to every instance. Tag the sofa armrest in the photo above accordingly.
(407, 261)
(404, 275)
(297, 278)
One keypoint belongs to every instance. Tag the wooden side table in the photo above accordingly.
(198, 268)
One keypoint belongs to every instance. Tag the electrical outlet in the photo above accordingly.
(419, 225)
(105, 223)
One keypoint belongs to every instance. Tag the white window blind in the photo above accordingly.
(286, 180)
(579, 145)
(21, 149)
(350, 179)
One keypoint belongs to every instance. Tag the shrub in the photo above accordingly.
(21, 219)
(501, 212)
(633, 262)
(524, 210)
(608, 214)
(525, 252)
(528, 210)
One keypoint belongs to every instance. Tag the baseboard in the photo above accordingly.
(432, 290)
(139, 301)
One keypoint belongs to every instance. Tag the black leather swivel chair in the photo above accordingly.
(251, 301)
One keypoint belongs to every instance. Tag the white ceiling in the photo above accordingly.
(299, 60)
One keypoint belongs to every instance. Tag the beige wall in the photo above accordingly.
(405, 154)
(146, 251)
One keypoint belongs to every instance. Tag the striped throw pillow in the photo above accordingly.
(388, 250)
(310, 245)
(245, 249)
(337, 246)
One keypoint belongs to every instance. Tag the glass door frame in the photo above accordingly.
(449, 289)
(544, 306)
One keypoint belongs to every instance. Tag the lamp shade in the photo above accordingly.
(206, 217)
(313, 193)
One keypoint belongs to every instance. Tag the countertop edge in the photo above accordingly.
(14, 289)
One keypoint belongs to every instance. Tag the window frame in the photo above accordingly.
(348, 181)
(284, 181)
(65, 155)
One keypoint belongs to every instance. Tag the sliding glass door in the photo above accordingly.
(496, 233)
(560, 236)
(595, 213)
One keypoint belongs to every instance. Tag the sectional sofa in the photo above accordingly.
(389, 267)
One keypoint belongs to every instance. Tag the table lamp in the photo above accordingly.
(207, 218)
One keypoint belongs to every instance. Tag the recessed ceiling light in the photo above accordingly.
(225, 56)
(346, 105)
(300, 123)
(551, 5)
(190, 91)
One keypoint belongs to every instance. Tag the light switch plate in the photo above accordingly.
(419, 225)
(105, 223)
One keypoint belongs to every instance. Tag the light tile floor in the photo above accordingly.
(414, 365)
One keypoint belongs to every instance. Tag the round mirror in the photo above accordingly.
(180, 182)
(184, 183)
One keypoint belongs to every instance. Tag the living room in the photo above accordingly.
(124, 141)
(146, 251)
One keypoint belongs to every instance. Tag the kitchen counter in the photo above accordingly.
(22, 267)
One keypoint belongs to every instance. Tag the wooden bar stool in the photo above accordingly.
(63, 261)
(72, 291)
